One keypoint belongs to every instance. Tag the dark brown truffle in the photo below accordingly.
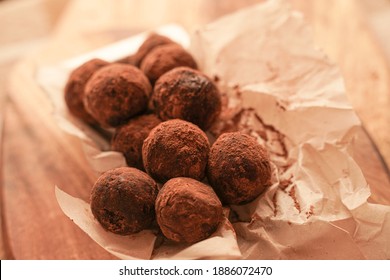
(187, 94)
(123, 199)
(152, 41)
(238, 168)
(74, 88)
(187, 210)
(115, 93)
(128, 139)
(164, 58)
(175, 148)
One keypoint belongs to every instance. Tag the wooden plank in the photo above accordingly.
(36, 157)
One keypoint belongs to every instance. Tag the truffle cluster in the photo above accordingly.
(160, 107)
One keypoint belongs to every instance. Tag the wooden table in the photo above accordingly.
(36, 154)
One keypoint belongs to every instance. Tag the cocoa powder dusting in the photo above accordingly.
(282, 104)
(280, 137)
(291, 193)
(246, 120)
(283, 184)
(310, 212)
(274, 203)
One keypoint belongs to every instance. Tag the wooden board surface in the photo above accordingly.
(37, 155)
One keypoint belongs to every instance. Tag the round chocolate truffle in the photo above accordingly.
(238, 168)
(74, 88)
(128, 138)
(175, 148)
(187, 94)
(123, 199)
(130, 59)
(115, 93)
(152, 41)
(187, 210)
(164, 58)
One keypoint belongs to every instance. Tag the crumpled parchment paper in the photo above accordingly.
(282, 90)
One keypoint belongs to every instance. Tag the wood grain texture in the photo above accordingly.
(36, 154)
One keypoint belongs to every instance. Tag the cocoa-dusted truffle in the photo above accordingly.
(238, 168)
(175, 148)
(130, 59)
(152, 41)
(164, 58)
(123, 199)
(187, 210)
(187, 94)
(74, 88)
(115, 93)
(128, 139)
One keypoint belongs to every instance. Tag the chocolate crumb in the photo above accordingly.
(310, 212)
(274, 203)
(292, 194)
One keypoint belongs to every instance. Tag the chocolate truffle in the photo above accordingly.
(152, 41)
(175, 148)
(187, 210)
(74, 88)
(164, 58)
(130, 59)
(238, 168)
(115, 93)
(187, 94)
(128, 138)
(123, 199)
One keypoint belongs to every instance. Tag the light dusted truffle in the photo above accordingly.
(187, 94)
(151, 42)
(164, 58)
(130, 59)
(115, 93)
(74, 89)
(238, 168)
(187, 210)
(123, 200)
(175, 148)
(129, 138)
